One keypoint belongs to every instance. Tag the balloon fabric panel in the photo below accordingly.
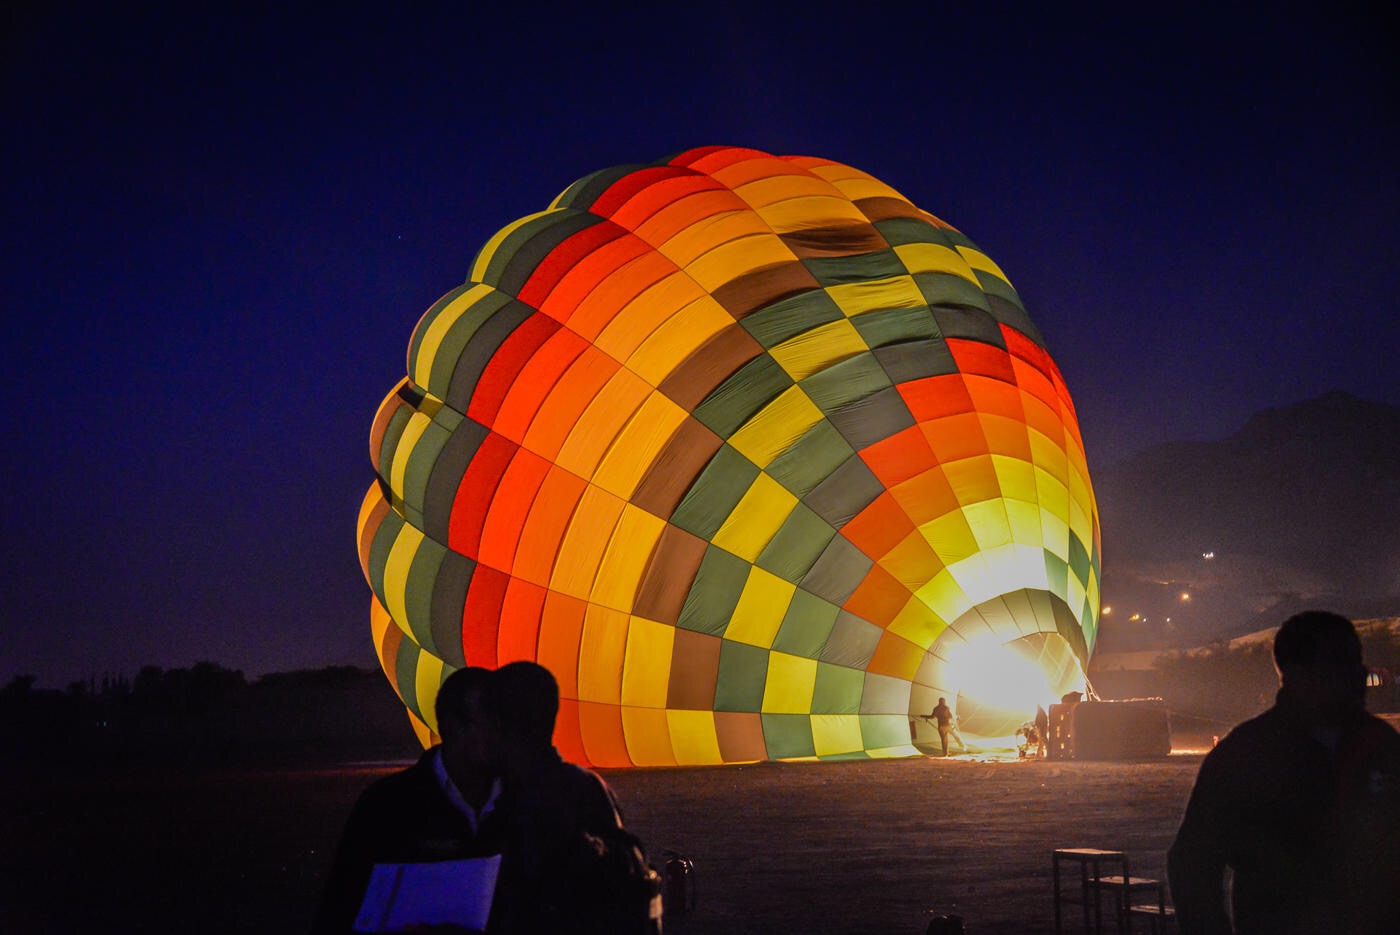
(756, 456)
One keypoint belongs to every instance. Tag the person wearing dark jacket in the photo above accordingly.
(1301, 804)
(440, 808)
(568, 865)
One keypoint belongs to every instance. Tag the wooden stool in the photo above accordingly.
(1121, 886)
(1092, 864)
(1158, 914)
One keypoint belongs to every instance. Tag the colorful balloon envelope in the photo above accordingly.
(757, 457)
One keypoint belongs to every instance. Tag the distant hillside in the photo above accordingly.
(1301, 507)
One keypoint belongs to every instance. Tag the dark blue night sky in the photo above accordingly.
(223, 222)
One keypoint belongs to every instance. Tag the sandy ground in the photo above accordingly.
(864, 846)
(882, 846)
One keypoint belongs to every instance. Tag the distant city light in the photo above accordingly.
(1136, 617)
(1207, 555)
(1106, 611)
(1186, 595)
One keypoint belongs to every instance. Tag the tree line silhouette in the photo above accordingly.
(205, 714)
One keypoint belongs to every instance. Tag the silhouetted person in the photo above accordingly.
(942, 716)
(562, 834)
(434, 810)
(1042, 730)
(1302, 803)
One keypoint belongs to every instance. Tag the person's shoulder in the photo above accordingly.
(1381, 733)
(579, 773)
(1251, 739)
(589, 793)
(1274, 721)
(406, 782)
(583, 779)
(552, 775)
(1242, 733)
(1382, 724)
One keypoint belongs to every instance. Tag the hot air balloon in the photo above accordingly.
(757, 457)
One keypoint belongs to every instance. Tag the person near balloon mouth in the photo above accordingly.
(947, 723)
(1042, 731)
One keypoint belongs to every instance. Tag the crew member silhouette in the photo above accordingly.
(1042, 730)
(942, 715)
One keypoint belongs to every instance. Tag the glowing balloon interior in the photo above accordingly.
(756, 456)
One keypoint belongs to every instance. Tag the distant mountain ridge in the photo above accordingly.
(1300, 507)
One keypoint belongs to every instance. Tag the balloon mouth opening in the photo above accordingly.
(995, 687)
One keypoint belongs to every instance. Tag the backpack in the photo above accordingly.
(616, 891)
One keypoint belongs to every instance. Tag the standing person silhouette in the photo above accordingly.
(942, 715)
(568, 865)
(435, 810)
(1301, 803)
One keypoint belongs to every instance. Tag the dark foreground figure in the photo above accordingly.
(496, 785)
(435, 810)
(1302, 803)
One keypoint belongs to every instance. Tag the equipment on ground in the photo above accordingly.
(1110, 730)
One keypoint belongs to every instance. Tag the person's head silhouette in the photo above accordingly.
(461, 723)
(522, 702)
(1318, 657)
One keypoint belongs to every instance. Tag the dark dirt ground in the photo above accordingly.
(861, 846)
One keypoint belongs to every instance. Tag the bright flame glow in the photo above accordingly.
(997, 676)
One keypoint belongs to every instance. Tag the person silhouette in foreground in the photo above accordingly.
(437, 809)
(1302, 804)
(566, 857)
